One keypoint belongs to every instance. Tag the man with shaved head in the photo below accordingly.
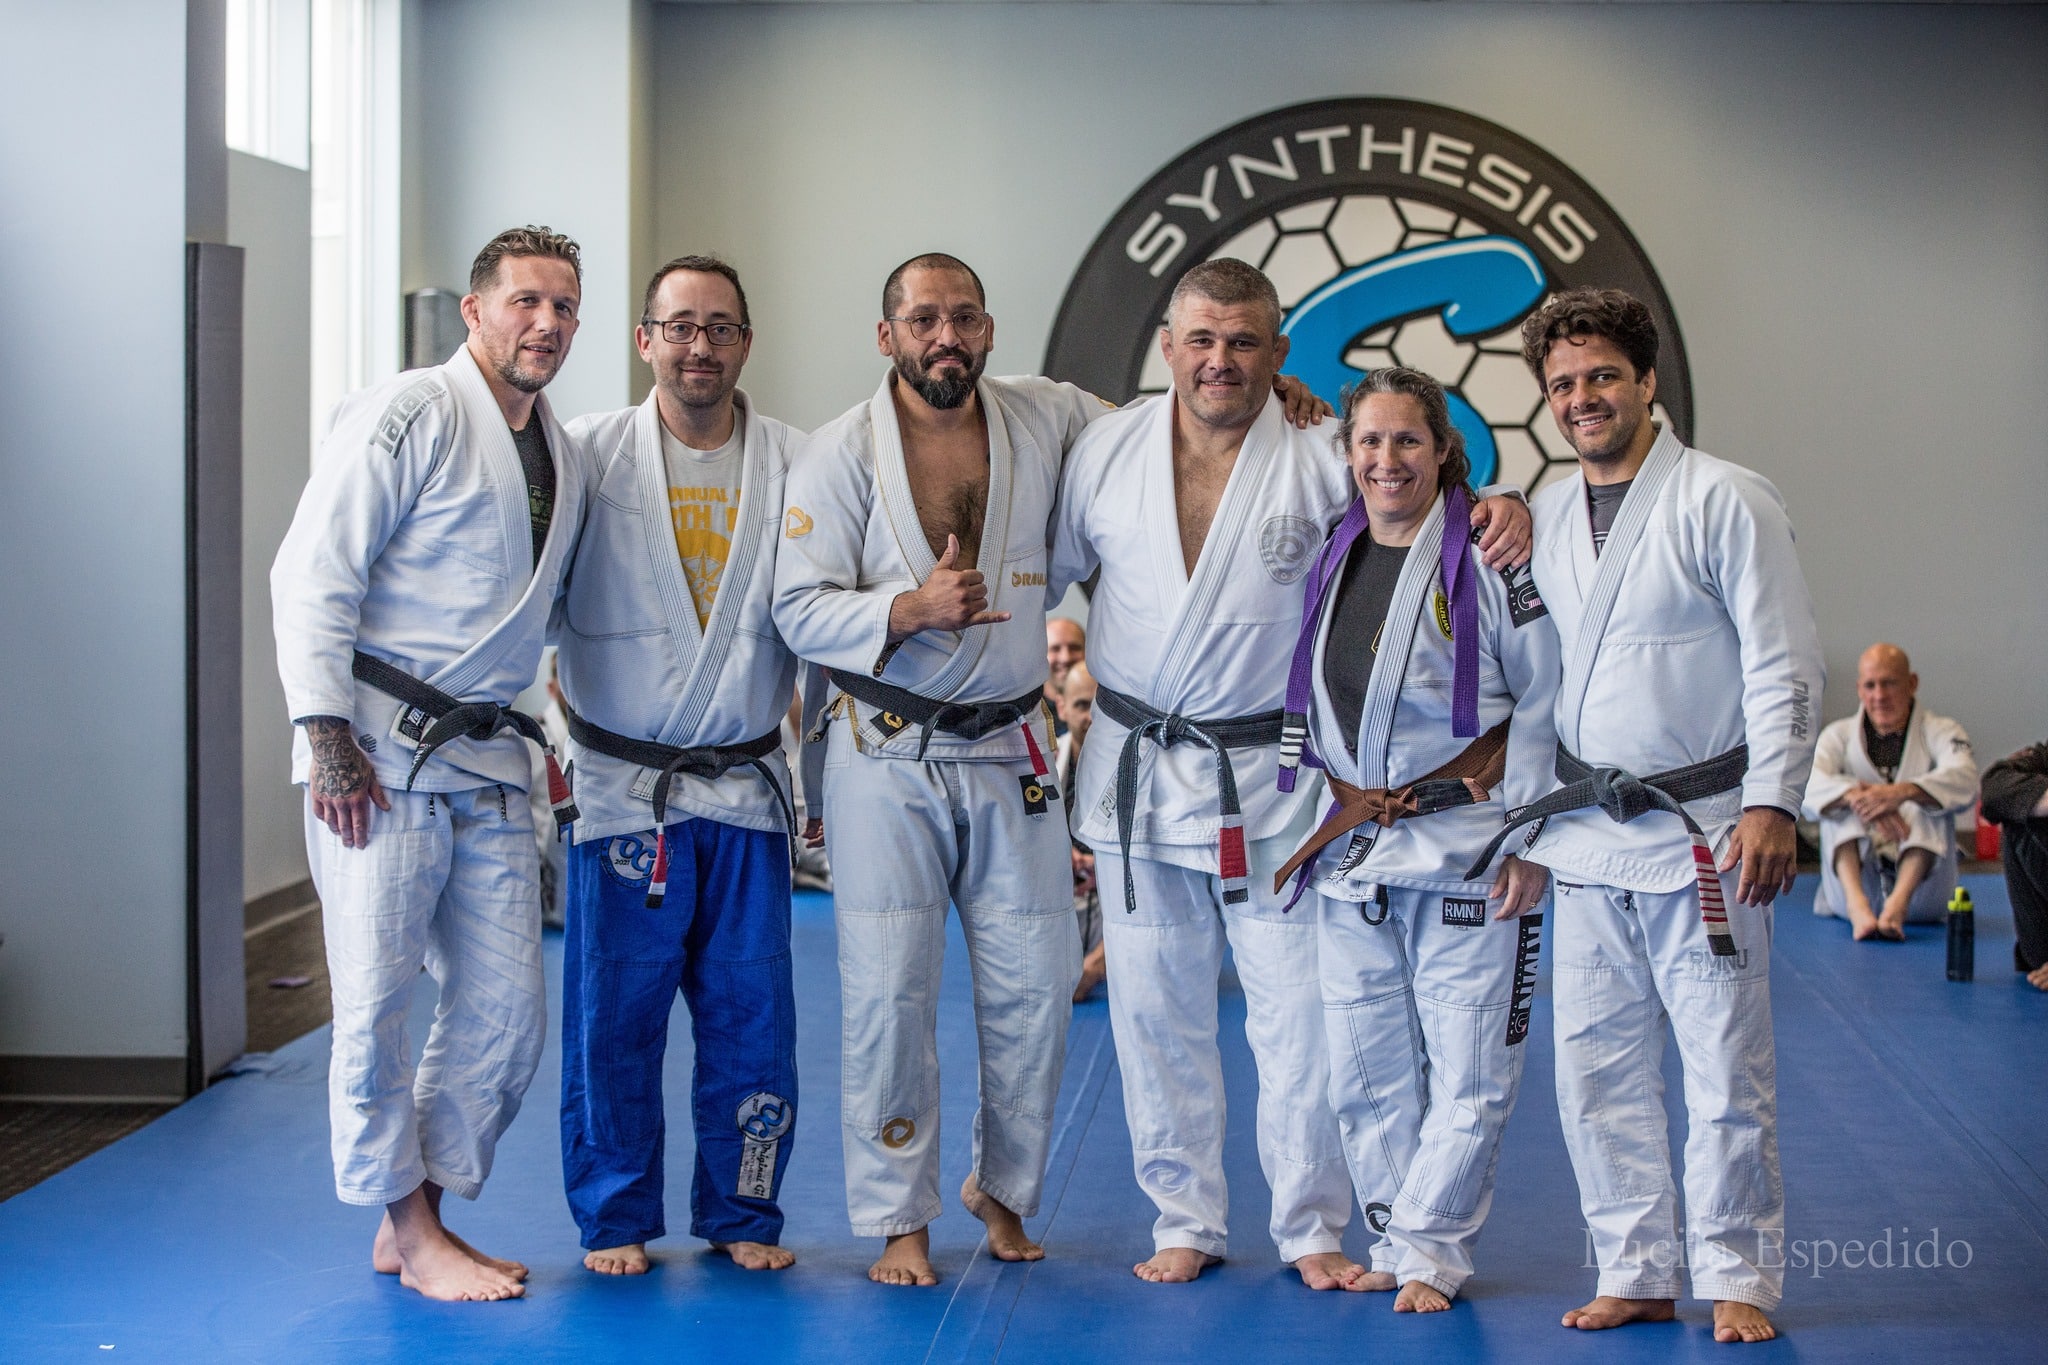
(1887, 785)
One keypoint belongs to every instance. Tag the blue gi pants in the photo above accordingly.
(721, 936)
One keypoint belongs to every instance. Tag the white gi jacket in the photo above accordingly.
(633, 658)
(1710, 643)
(413, 542)
(1405, 729)
(1937, 757)
(852, 541)
(1212, 647)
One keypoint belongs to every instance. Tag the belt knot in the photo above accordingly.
(1622, 795)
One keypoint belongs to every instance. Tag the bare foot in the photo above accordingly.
(1094, 969)
(1330, 1270)
(1862, 924)
(1743, 1322)
(384, 1253)
(1607, 1311)
(503, 1267)
(1417, 1297)
(757, 1255)
(2038, 978)
(630, 1259)
(1376, 1281)
(1006, 1239)
(437, 1268)
(1175, 1265)
(906, 1259)
(1892, 923)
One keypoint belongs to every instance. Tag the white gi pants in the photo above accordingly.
(1929, 904)
(1624, 964)
(906, 837)
(1421, 1074)
(449, 881)
(1164, 961)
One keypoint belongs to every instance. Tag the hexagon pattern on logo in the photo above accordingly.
(1395, 233)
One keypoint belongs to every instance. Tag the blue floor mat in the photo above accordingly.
(1911, 1117)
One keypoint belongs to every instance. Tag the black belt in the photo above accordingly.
(1144, 722)
(1624, 797)
(710, 762)
(968, 721)
(434, 718)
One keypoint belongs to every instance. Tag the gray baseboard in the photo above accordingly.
(93, 1078)
(273, 906)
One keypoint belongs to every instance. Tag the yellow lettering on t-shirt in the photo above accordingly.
(703, 540)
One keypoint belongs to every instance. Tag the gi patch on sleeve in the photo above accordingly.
(398, 418)
(763, 1120)
(1037, 791)
(1525, 604)
(1461, 913)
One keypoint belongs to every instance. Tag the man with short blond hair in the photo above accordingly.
(1887, 785)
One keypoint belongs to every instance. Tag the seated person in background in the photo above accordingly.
(2016, 796)
(1074, 699)
(1886, 787)
(1066, 644)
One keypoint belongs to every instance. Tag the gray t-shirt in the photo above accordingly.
(532, 443)
(1603, 500)
(1364, 594)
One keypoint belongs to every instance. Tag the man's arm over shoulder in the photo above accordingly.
(1751, 560)
(370, 469)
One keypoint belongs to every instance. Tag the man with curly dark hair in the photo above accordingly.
(1685, 728)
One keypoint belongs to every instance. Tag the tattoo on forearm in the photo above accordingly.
(339, 768)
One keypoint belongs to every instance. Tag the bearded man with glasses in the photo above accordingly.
(913, 568)
(679, 875)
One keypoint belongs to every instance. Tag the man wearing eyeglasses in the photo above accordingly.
(678, 877)
(915, 531)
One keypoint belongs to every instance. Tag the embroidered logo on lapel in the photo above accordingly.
(1286, 544)
(796, 522)
(1442, 611)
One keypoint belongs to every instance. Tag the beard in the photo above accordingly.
(699, 390)
(528, 374)
(1610, 449)
(947, 391)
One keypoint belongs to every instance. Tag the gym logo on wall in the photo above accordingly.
(1396, 232)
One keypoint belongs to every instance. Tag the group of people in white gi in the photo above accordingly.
(909, 561)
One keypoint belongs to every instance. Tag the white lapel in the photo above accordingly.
(1221, 548)
(484, 423)
(1390, 666)
(892, 478)
(735, 583)
(1620, 547)
(658, 531)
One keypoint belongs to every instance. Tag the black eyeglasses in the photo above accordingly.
(967, 324)
(682, 333)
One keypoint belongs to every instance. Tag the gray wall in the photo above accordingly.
(1848, 205)
(527, 113)
(92, 849)
(270, 216)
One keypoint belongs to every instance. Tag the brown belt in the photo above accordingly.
(1465, 780)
